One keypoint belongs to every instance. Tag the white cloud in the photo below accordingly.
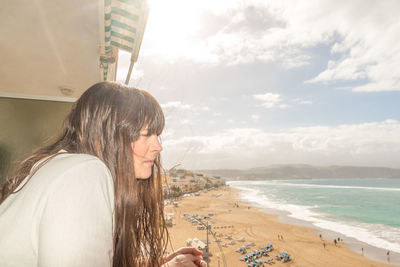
(366, 36)
(123, 67)
(302, 101)
(255, 117)
(230, 32)
(217, 114)
(270, 100)
(174, 105)
(363, 35)
(374, 144)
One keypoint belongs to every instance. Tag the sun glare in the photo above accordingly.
(171, 25)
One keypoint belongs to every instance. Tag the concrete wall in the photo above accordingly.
(24, 125)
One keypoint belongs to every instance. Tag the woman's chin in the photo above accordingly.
(143, 176)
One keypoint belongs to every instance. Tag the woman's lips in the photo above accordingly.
(149, 163)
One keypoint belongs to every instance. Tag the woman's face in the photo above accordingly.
(145, 150)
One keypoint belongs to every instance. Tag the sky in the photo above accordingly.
(250, 83)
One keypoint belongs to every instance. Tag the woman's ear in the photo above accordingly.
(132, 145)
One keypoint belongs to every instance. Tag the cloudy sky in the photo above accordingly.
(247, 83)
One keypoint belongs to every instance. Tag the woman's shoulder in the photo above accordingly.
(69, 161)
(74, 159)
(69, 168)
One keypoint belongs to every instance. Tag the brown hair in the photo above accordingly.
(103, 122)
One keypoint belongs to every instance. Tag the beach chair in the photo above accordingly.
(286, 257)
(268, 261)
(257, 253)
(264, 252)
(249, 257)
(243, 249)
(256, 263)
(279, 257)
(283, 256)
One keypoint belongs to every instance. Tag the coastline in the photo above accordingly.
(359, 247)
(260, 226)
(369, 251)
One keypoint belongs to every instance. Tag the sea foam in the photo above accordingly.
(378, 235)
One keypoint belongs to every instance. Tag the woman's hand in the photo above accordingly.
(185, 257)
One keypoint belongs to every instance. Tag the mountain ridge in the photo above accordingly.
(303, 171)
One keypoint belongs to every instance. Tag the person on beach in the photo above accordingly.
(94, 196)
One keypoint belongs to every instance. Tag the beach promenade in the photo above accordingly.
(232, 219)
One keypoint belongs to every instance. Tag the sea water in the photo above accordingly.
(365, 209)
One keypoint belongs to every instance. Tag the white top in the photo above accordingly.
(62, 217)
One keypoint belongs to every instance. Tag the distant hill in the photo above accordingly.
(301, 171)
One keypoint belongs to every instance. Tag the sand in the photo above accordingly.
(239, 219)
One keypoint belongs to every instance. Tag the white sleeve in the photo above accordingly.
(76, 226)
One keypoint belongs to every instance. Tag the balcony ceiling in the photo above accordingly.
(49, 48)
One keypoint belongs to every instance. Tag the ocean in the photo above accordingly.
(364, 209)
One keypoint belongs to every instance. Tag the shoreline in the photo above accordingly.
(261, 227)
(369, 251)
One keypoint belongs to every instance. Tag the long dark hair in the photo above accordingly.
(103, 122)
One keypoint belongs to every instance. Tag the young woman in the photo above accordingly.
(94, 196)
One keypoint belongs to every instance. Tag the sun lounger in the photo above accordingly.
(283, 256)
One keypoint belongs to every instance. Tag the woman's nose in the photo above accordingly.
(156, 144)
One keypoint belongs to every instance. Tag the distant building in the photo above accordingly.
(189, 181)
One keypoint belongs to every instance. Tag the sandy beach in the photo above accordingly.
(237, 219)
